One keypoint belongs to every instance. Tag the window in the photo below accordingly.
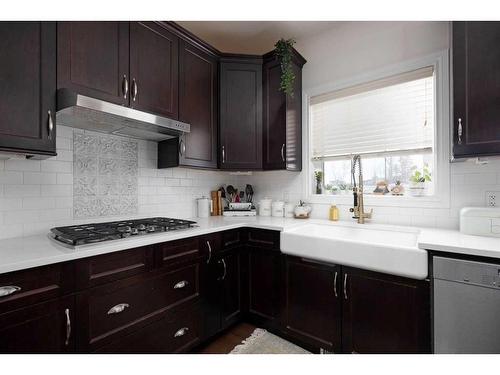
(390, 122)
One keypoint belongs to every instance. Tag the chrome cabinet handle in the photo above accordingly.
(68, 327)
(182, 147)
(181, 284)
(51, 124)
(225, 269)
(223, 154)
(345, 286)
(135, 89)
(283, 152)
(125, 86)
(8, 290)
(335, 284)
(459, 131)
(118, 308)
(209, 252)
(181, 332)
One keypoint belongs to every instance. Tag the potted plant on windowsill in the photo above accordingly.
(419, 181)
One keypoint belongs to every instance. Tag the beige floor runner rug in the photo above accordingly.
(263, 342)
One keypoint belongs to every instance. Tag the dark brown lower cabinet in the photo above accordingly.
(313, 303)
(263, 278)
(384, 314)
(42, 328)
(221, 292)
(173, 296)
(175, 332)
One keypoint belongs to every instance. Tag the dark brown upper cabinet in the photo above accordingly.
(93, 59)
(198, 106)
(154, 69)
(241, 113)
(282, 116)
(476, 89)
(28, 87)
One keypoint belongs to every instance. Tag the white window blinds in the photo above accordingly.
(394, 114)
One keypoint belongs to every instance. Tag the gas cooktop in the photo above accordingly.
(75, 235)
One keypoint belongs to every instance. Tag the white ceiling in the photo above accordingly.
(253, 37)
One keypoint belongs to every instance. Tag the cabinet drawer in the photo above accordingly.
(232, 238)
(124, 306)
(184, 250)
(175, 332)
(105, 268)
(264, 238)
(27, 287)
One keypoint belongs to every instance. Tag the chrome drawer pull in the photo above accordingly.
(68, 327)
(181, 332)
(8, 290)
(209, 252)
(283, 152)
(459, 131)
(335, 284)
(181, 284)
(345, 286)
(118, 308)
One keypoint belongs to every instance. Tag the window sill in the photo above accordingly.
(383, 200)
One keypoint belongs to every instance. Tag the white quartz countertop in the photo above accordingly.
(26, 252)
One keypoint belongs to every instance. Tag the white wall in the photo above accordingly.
(355, 48)
(37, 195)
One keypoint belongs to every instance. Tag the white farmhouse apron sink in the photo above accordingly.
(376, 248)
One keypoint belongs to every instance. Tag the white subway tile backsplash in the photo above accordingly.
(50, 165)
(21, 190)
(37, 203)
(11, 178)
(22, 165)
(39, 178)
(56, 190)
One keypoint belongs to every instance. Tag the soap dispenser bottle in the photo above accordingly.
(334, 213)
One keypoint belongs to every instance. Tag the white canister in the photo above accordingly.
(289, 209)
(203, 205)
(265, 207)
(277, 208)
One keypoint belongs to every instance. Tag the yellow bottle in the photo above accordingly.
(334, 213)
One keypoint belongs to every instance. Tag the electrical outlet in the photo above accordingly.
(491, 198)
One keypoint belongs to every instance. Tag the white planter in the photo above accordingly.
(418, 189)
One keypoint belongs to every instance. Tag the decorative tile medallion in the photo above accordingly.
(105, 175)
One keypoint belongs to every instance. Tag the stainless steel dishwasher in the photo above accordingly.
(466, 306)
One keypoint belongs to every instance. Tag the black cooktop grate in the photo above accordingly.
(89, 233)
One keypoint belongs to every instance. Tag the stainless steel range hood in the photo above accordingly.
(79, 111)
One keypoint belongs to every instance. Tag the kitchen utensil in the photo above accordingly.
(249, 192)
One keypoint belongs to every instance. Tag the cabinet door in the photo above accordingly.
(241, 116)
(154, 54)
(312, 303)
(28, 87)
(231, 288)
(93, 59)
(211, 296)
(264, 294)
(384, 314)
(282, 118)
(198, 106)
(274, 117)
(476, 88)
(43, 328)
